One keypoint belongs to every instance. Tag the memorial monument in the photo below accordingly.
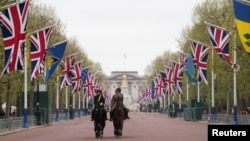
(126, 97)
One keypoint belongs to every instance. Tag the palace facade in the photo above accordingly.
(133, 81)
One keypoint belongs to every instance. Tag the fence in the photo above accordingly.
(226, 119)
(16, 123)
(13, 124)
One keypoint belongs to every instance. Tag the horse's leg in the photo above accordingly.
(121, 127)
(115, 128)
(102, 128)
(96, 130)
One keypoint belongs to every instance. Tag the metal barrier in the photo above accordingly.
(48, 117)
(15, 123)
(226, 119)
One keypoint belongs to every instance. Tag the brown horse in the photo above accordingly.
(119, 117)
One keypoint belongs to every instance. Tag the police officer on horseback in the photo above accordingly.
(114, 100)
(98, 101)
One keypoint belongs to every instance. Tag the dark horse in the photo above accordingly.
(119, 117)
(99, 121)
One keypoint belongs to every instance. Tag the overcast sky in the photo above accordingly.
(124, 35)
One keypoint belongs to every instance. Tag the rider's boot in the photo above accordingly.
(111, 115)
(92, 115)
(126, 113)
(105, 113)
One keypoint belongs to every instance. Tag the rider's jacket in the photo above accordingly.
(115, 98)
(99, 99)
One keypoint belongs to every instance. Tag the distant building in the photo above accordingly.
(133, 81)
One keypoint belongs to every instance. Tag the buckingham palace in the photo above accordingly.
(131, 84)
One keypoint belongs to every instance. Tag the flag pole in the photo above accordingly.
(79, 104)
(213, 77)
(13, 4)
(57, 99)
(87, 104)
(187, 90)
(25, 111)
(83, 102)
(179, 61)
(198, 91)
(198, 42)
(73, 106)
(38, 113)
(235, 94)
(173, 108)
(179, 105)
(40, 29)
(66, 104)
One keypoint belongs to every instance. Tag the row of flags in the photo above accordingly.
(43, 60)
(14, 20)
(170, 80)
(73, 74)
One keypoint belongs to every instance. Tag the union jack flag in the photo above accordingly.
(94, 84)
(88, 87)
(178, 75)
(39, 44)
(161, 86)
(76, 78)
(106, 97)
(147, 92)
(220, 40)
(170, 80)
(199, 55)
(67, 67)
(14, 21)
(142, 95)
(183, 59)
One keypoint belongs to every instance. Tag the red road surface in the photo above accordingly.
(141, 127)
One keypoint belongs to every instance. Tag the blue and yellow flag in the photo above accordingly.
(54, 56)
(242, 19)
(152, 90)
(191, 70)
(84, 74)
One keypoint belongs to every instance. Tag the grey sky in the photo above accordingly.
(140, 29)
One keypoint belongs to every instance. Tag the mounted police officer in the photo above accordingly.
(98, 101)
(117, 96)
